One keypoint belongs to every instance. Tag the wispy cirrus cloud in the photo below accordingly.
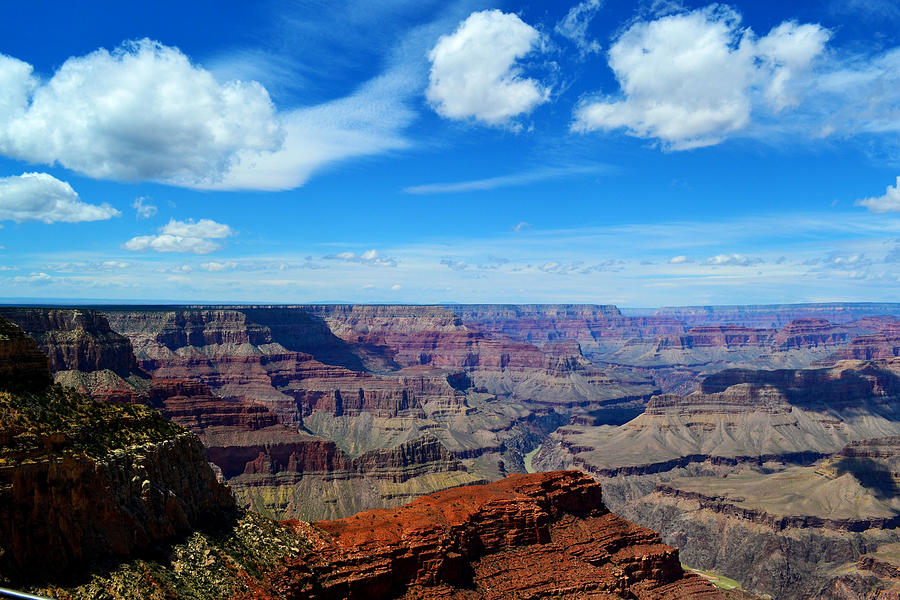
(575, 24)
(512, 180)
(799, 257)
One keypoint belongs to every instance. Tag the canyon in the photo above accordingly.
(693, 420)
(111, 499)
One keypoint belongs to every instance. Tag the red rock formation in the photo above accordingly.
(810, 333)
(536, 536)
(83, 351)
(883, 344)
(292, 384)
(82, 480)
(192, 405)
(718, 336)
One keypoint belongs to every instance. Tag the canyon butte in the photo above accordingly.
(462, 451)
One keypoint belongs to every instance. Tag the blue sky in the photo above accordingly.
(640, 153)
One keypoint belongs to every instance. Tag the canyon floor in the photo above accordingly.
(762, 442)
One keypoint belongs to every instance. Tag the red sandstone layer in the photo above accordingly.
(545, 535)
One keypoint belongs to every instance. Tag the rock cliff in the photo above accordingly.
(740, 416)
(75, 339)
(885, 343)
(283, 472)
(834, 523)
(780, 479)
(82, 480)
(538, 536)
(420, 374)
(84, 352)
(545, 535)
(22, 364)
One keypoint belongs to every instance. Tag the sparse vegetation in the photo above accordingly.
(720, 581)
(60, 421)
(205, 566)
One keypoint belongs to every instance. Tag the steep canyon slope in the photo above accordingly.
(801, 463)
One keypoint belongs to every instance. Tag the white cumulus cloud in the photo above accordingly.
(42, 197)
(474, 72)
(140, 112)
(183, 236)
(691, 79)
(889, 202)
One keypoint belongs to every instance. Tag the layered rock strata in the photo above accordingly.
(776, 316)
(741, 416)
(786, 459)
(84, 352)
(75, 339)
(884, 343)
(280, 471)
(540, 536)
(834, 523)
(537, 536)
(432, 381)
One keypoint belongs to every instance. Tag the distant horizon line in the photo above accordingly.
(98, 302)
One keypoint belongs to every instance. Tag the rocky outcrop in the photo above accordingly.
(75, 339)
(536, 536)
(790, 563)
(22, 364)
(286, 473)
(810, 333)
(789, 531)
(728, 507)
(592, 326)
(82, 480)
(718, 336)
(84, 352)
(840, 386)
(547, 535)
(797, 335)
(884, 343)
